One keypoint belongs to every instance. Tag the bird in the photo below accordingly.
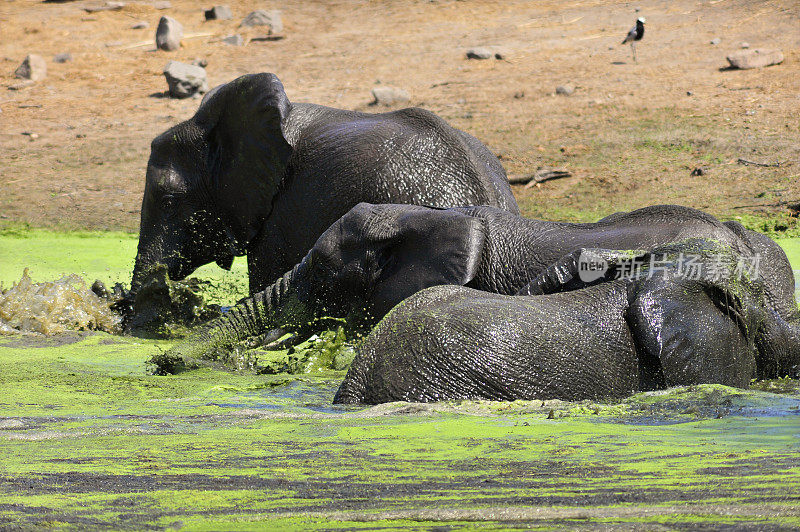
(636, 34)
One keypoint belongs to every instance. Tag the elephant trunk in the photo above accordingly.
(276, 306)
(778, 346)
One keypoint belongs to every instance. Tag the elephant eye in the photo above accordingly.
(168, 202)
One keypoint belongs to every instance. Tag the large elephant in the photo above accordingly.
(377, 255)
(252, 173)
(661, 323)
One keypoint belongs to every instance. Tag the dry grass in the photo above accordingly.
(630, 133)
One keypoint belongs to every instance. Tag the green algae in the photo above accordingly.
(107, 256)
(89, 439)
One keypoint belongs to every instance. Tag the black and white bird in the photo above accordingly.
(636, 34)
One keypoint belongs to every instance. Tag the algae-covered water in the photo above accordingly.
(88, 439)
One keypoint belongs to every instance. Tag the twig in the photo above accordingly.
(595, 36)
(779, 204)
(152, 41)
(541, 175)
(443, 83)
(754, 163)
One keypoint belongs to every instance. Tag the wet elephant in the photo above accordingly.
(571, 338)
(252, 173)
(378, 255)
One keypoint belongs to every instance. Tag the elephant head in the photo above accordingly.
(364, 264)
(697, 312)
(211, 179)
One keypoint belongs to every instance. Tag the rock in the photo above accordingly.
(218, 13)
(565, 90)
(169, 34)
(519, 94)
(479, 53)
(501, 55)
(234, 40)
(745, 45)
(758, 58)
(108, 6)
(389, 96)
(261, 17)
(33, 68)
(700, 170)
(715, 41)
(201, 62)
(62, 58)
(185, 80)
(140, 25)
(162, 5)
(21, 85)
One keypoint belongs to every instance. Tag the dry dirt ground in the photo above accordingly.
(631, 133)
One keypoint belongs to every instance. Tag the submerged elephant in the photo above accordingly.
(569, 338)
(252, 173)
(378, 255)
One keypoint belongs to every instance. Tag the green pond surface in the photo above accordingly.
(89, 440)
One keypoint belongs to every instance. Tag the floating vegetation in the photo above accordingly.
(54, 307)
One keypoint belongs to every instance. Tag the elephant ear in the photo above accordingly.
(582, 268)
(426, 247)
(691, 332)
(247, 151)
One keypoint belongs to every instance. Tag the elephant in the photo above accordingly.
(376, 256)
(252, 173)
(569, 337)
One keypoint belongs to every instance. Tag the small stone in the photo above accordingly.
(389, 96)
(62, 58)
(745, 45)
(699, 171)
(261, 17)
(715, 41)
(169, 34)
(162, 5)
(142, 25)
(758, 58)
(501, 55)
(234, 40)
(479, 53)
(519, 94)
(565, 90)
(31, 135)
(218, 13)
(185, 80)
(201, 62)
(33, 68)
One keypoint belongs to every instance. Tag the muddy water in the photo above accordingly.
(88, 439)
